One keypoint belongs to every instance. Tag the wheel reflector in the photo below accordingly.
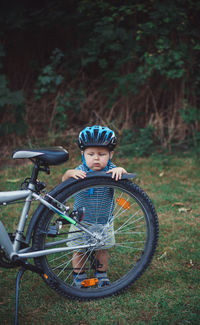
(124, 204)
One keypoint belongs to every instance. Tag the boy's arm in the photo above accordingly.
(117, 172)
(75, 173)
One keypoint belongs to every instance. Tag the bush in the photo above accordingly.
(70, 101)
(137, 143)
(11, 106)
(191, 116)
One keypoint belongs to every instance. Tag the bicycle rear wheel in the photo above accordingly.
(129, 231)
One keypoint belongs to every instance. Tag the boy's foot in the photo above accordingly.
(78, 278)
(103, 279)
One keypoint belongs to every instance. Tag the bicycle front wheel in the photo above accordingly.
(122, 214)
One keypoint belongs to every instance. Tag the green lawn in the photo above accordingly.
(167, 293)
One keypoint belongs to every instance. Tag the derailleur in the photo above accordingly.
(77, 215)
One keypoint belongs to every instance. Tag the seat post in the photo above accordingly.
(35, 172)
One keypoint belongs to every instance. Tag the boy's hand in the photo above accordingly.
(73, 173)
(117, 172)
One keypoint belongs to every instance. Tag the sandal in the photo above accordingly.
(103, 279)
(78, 278)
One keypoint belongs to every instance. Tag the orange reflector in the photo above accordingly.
(45, 276)
(124, 204)
(89, 282)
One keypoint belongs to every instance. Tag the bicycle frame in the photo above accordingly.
(42, 159)
(12, 249)
(122, 217)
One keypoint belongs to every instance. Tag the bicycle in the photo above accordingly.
(47, 239)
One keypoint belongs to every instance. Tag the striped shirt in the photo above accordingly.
(98, 201)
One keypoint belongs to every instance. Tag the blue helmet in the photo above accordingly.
(97, 136)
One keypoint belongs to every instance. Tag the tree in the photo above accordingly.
(130, 64)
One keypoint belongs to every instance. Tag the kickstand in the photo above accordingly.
(19, 276)
(25, 266)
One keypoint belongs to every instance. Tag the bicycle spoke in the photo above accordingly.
(127, 222)
(60, 265)
(59, 257)
(119, 221)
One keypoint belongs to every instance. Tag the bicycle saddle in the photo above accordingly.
(48, 156)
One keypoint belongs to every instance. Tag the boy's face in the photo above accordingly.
(97, 157)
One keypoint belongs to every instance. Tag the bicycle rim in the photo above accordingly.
(126, 221)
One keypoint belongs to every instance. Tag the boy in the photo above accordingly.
(97, 144)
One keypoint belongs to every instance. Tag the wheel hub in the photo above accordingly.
(100, 231)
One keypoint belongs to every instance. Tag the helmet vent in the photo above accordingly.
(97, 136)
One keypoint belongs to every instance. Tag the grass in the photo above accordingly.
(167, 293)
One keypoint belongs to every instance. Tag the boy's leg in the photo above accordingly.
(102, 256)
(78, 262)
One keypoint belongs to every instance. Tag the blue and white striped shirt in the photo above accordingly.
(98, 203)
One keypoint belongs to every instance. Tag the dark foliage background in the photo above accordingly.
(132, 65)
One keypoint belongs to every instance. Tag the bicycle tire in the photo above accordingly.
(135, 240)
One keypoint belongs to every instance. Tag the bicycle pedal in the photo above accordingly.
(89, 282)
